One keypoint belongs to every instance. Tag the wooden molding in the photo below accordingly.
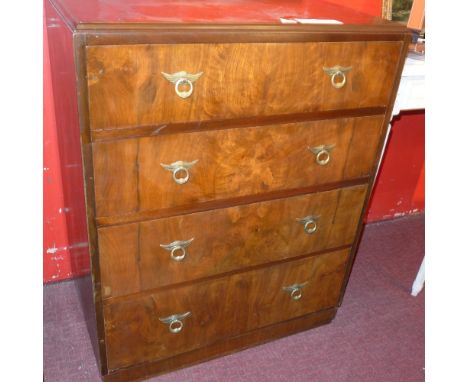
(417, 15)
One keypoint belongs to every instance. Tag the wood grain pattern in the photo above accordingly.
(215, 204)
(129, 177)
(116, 177)
(221, 308)
(119, 259)
(260, 70)
(216, 124)
(226, 346)
(126, 87)
(225, 240)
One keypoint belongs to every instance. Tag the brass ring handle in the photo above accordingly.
(338, 85)
(180, 168)
(296, 294)
(178, 245)
(177, 257)
(323, 157)
(175, 321)
(310, 223)
(335, 73)
(182, 93)
(310, 227)
(322, 154)
(295, 290)
(182, 179)
(182, 78)
(176, 326)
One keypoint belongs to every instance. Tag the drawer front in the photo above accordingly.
(217, 241)
(219, 308)
(127, 87)
(130, 178)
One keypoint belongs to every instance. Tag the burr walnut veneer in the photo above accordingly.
(226, 167)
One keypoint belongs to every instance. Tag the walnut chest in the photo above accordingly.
(228, 161)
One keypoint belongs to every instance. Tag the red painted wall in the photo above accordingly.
(55, 241)
(399, 189)
(371, 7)
(65, 245)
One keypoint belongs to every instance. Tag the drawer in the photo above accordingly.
(213, 242)
(126, 87)
(137, 330)
(130, 176)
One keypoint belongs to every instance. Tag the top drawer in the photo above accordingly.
(127, 87)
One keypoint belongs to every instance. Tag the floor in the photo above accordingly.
(377, 335)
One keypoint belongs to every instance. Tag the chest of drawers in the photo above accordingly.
(227, 168)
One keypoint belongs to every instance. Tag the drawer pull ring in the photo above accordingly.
(180, 168)
(295, 290)
(182, 78)
(322, 154)
(178, 245)
(175, 321)
(336, 73)
(310, 223)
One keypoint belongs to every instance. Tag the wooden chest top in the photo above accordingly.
(80, 13)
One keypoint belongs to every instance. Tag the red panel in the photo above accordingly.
(400, 185)
(55, 240)
(216, 11)
(371, 7)
(65, 235)
(419, 191)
